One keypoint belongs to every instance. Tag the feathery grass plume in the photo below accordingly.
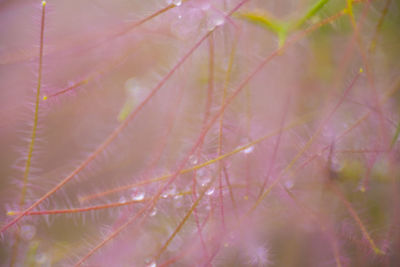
(212, 133)
(198, 143)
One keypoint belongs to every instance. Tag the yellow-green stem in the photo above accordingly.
(33, 137)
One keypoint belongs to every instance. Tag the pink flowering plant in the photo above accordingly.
(200, 133)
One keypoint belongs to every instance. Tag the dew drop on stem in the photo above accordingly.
(193, 160)
(210, 191)
(203, 180)
(215, 19)
(137, 195)
(248, 150)
(153, 212)
(178, 196)
(174, 2)
(122, 200)
(170, 191)
(150, 263)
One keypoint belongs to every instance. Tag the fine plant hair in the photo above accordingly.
(200, 133)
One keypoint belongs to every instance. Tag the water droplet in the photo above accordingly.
(215, 20)
(150, 263)
(174, 2)
(122, 200)
(203, 180)
(153, 212)
(137, 195)
(210, 191)
(248, 150)
(219, 21)
(193, 160)
(28, 232)
(169, 192)
(176, 197)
